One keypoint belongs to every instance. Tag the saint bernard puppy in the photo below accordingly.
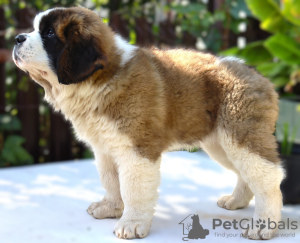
(131, 104)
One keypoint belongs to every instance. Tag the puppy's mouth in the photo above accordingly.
(16, 57)
(20, 62)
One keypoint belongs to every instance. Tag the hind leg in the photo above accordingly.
(264, 178)
(242, 194)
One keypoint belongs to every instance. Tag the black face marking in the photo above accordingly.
(79, 55)
(52, 44)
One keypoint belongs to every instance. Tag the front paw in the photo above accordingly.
(231, 203)
(130, 229)
(105, 209)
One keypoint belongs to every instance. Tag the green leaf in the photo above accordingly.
(240, 6)
(272, 69)
(13, 141)
(263, 9)
(234, 51)
(219, 16)
(9, 123)
(23, 156)
(268, 12)
(2, 162)
(275, 23)
(284, 47)
(8, 156)
(288, 138)
(280, 81)
(235, 25)
(189, 8)
(14, 153)
(291, 11)
(88, 154)
(284, 143)
(249, 53)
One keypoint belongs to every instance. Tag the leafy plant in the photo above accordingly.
(194, 18)
(11, 150)
(277, 57)
(288, 139)
(186, 17)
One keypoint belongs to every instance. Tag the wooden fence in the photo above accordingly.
(60, 144)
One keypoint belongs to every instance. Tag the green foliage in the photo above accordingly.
(41, 4)
(291, 11)
(277, 57)
(88, 154)
(190, 17)
(11, 150)
(194, 18)
(193, 150)
(13, 153)
(278, 72)
(238, 6)
(270, 15)
(9, 123)
(288, 139)
(284, 47)
(249, 53)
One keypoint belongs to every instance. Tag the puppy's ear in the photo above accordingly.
(80, 58)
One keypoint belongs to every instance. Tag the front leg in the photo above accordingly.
(240, 197)
(139, 181)
(111, 205)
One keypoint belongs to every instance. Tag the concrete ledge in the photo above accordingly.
(47, 203)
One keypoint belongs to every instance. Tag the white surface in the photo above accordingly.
(47, 203)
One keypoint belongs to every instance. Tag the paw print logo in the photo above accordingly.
(261, 224)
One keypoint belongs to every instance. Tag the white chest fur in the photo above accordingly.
(83, 106)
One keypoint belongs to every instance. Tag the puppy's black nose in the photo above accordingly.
(20, 39)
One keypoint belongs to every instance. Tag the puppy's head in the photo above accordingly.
(67, 45)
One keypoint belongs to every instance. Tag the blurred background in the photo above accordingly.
(265, 33)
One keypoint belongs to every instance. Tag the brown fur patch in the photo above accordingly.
(250, 109)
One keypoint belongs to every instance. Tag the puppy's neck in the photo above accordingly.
(71, 100)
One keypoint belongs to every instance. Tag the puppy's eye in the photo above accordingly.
(50, 32)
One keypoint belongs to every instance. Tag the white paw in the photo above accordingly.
(231, 203)
(259, 231)
(105, 209)
(130, 229)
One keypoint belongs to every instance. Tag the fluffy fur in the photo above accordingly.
(131, 104)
